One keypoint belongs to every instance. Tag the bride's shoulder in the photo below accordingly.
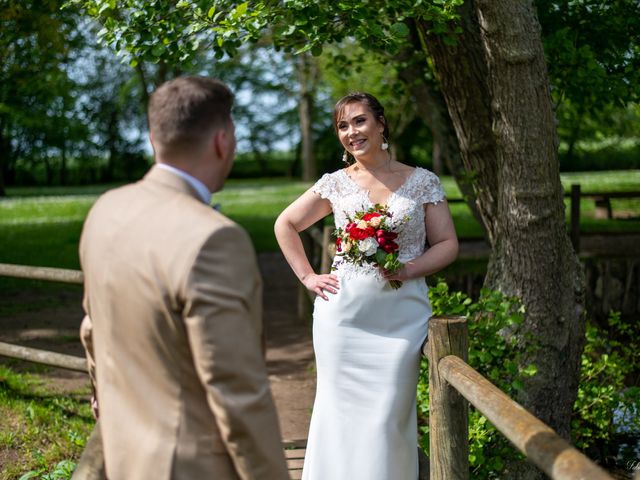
(330, 184)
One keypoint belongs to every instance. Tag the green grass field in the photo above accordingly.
(42, 226)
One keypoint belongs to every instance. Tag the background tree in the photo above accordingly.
(35, 99)
(593, 60)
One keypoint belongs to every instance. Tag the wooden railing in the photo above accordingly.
(603, 207)
(92, 458)
(53, 359)
(453, 383)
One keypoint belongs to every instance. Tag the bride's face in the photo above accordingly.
(358, 130)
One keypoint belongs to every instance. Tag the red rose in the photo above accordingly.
(386, 235)
(339, 244)
(368, 216)
(356, 233)
(390, 247)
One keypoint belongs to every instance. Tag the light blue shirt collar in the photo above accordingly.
(199, 187)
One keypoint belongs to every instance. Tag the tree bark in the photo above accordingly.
(496, 87)
(3, 161)
(305, 108)
(431, 107)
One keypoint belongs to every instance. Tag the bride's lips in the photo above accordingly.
(355, 144)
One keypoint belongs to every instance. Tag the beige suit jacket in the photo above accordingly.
(173, 328)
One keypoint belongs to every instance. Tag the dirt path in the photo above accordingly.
(289, 348)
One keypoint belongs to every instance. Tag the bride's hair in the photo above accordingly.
(370, 101)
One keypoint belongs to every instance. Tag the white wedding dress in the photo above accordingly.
(367, 341)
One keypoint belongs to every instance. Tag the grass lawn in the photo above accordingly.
(42, 226)
(40, 429)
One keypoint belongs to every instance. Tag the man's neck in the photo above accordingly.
(198, 186)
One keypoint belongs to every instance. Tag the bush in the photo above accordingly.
(606, 364)
(606, 412)
(610, 154)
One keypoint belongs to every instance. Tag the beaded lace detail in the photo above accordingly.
(405, 204)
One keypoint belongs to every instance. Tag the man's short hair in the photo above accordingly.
(184, 111)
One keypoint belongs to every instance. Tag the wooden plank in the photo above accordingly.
(60, 360)
(542, 446)
(448, 411)
(41, 273)
(295, 461)
(597, 194)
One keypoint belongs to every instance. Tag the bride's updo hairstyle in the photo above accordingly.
(367, 99)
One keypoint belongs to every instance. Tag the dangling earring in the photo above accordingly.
(385, 144)
(345, 157)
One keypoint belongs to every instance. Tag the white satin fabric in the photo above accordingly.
(367, 341)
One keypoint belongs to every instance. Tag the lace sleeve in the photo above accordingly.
(325, 187)
(431, 190)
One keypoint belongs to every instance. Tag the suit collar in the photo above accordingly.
(171, 180)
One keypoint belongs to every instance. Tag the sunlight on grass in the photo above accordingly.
(41, 229)
(39, 427)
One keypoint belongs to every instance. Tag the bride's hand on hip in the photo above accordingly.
(318, 284)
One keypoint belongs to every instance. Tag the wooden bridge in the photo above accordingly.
(453, 384)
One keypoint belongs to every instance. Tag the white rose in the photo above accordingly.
(375, 222)
(368, 246)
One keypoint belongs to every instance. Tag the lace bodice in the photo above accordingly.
(406, 204)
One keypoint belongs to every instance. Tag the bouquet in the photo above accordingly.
(367, 238)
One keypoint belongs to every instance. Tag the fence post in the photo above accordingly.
(575, 217)
(448, 410)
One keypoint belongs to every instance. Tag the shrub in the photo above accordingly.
(606, 364)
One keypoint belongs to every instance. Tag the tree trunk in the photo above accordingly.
(574, 136)
(431, 107)
(305, 108)
(3, 163)
(496, 88)
(63, 163)
(3, 191)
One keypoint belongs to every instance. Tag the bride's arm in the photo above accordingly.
(443, 242)
(300, 215)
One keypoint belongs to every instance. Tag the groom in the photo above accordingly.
(173, 308)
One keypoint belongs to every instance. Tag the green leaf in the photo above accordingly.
(241, 9)
(211, 11)
(158, 50)
(400, 30)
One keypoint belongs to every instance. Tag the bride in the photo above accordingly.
(366, 334)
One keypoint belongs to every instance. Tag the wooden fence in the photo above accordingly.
(451, 381)
(53, 359)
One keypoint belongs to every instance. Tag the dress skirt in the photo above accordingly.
(367, 340)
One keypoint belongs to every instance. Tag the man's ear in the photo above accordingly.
(220, 141)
